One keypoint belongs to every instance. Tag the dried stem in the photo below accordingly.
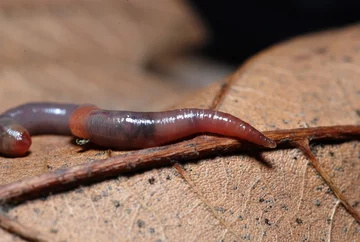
(305, 148)
(195, 148)
(20, 230)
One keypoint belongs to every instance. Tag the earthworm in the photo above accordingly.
(117, 129)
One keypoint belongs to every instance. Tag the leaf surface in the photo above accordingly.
(307, 81)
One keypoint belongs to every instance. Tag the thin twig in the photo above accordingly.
(195, 148)
(16, 228)
(305, 148)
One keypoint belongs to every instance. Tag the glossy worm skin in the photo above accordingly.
(117, 129)
(17, 124)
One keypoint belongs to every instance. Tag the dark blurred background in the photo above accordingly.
(239, 29)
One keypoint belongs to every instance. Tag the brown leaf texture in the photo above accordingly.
(86, 50)
(305, 82)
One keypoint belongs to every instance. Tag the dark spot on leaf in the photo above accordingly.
(295, 158)
(339, 168)
(299, 221)
(235, 188)
(314, 149)
(355, 204)
(246, 237)
(168, 177)
(96, 198)
(285, 121)
(257, 219)
(54, 231)
(319, 188)
(358, 112)
(116, 203)
(284, 207)
(261, 200)
(152, 180)
(317, 203)
(328, 190)
(314, 121)
(220, 209)
(151, 230)
(347, 59)
(240, 218)
(267, 222)
(140, 223)
(331, 153)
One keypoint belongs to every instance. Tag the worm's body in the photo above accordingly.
(134, 130)
(117, 129)
(17, 124)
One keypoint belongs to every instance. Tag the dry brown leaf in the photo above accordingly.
(85, 50)
(311, 81)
